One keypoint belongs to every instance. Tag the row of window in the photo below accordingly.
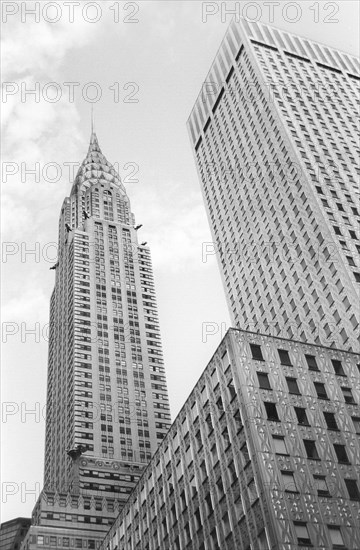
(329, 417)
(322, 487)
(285, 360)
(292, 383)
(311, 450)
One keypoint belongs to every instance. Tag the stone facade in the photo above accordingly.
(264, 454)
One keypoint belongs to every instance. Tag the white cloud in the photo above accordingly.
(174, 224)
(39, 48)
(37, 131)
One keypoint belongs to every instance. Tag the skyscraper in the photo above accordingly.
(275, 141)
(107, 402)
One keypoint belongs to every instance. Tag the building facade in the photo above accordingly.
(276, 146)
(13, 532)
(263, 455)
(107, 402)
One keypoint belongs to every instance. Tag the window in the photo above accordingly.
(264, 381)
(214, 537)
(279, 444)
(198, 521)
(238, 421)
(321, 485)
(302, 533)
(289, 482)
(338, 368)
(245, 454)
(226, 523)
(348, 396)
(262, 540)
(284, 357)
(336, 536)
(256, 352)
(232, 391)
(352, 489)
(301, 416)
(271, 411)
(320, 390)
(356, 422)
(311, 361)
(340, 451)
(311, 450)
(292, 385)
(209, 424)
(330, 420)
(252, 492)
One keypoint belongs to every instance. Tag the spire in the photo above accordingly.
(94, 144)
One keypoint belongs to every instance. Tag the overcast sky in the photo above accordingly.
(148, 62)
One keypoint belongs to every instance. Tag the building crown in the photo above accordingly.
(96, 169)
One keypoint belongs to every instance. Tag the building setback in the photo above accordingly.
(264, 454)
(13, 532)
(276, 144)
(107, 402)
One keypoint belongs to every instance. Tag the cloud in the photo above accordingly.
(175, 229)
(49, 42)
(37, 131)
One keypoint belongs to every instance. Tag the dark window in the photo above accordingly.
(284, 357)
(348, 396)
(340, 451)
(311, 361)
(356, 422)
(321, 486)
(311, 450)
(209, 504)
(256, 352)
(301, 416)
(209, 424)
(271, 411)
(302, 533)
(232, 391)
(352, 489)
(320, 390)
(238, 421)
(330, 420)
(292, 385)
(263, 381)
(338, 368)
(214, 537)
(245, 453)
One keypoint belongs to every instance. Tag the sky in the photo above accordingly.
(141, 65)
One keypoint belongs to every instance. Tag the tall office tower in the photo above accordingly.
(275, 141)
(264, 455)
(107, 402)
